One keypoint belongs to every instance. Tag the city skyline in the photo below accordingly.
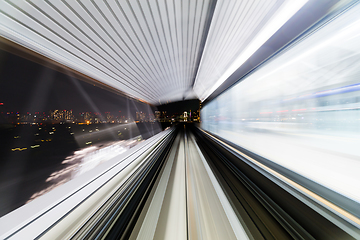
(68, 116)
(27, 87)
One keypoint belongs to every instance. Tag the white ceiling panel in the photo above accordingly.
(151, 49)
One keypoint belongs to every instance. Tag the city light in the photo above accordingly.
(18, 149)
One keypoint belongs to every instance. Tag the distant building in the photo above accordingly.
(69, 117)
(163, 115)
(58, 116)
(88, 117)
(157, 116)
(109, 118)
(140, 116)
(151, 117)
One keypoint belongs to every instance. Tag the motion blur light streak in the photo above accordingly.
(270, 151)
(83, 161)
(301, 188)
(317, 77)
(297, 110)
(280, 17)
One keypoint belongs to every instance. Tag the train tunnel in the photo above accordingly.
(204, 119)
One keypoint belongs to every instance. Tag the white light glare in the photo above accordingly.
(275, 23)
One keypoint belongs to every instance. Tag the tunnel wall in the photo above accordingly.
(301, 107)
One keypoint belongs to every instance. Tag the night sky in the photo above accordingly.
(180, 107)
(26, 86)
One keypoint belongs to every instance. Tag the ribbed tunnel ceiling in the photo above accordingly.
(156, 51)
